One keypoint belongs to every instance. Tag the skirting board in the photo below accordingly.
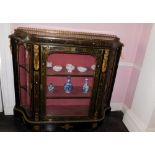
(8, 110)
(118, 106)
(133, 123)
(150, 130)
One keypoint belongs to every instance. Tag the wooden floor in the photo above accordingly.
(112, 123)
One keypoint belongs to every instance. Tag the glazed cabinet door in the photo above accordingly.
(69, 82)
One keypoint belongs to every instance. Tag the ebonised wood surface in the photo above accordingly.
(111, 123)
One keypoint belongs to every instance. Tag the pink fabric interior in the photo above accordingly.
(55, 110)
(22, 54)
(24, 77)
(25, 99)
(76, 60)
(57, 59)
(67, 102)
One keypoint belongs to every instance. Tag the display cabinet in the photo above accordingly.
(63, 78)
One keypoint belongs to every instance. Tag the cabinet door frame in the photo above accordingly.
(49, 49)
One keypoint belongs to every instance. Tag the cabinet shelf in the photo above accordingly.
(75, 73)
(60, 94)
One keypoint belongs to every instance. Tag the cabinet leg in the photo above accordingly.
(67, 126)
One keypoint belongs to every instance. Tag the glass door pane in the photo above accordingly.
(69, 84)
(24, 78)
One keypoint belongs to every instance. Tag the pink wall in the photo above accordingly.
(121, 84)
(134, 36)
(142, 43)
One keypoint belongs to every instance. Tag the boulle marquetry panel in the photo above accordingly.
(40, 61)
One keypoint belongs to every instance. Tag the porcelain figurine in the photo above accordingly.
(68, 87)
(70, 68)
(50, 87)
(49, 64)
(81, 69)
(85, 87)
(57, 68)
(93, 67)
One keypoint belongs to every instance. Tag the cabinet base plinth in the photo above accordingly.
(81, 125)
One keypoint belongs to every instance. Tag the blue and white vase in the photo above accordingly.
(68, 87)
(85, 87)
(50, 87)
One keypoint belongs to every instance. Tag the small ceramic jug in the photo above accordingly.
(70, 68)
(68, 87)
(85, 87)
(50, 87)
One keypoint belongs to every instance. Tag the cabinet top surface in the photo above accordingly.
(27, 34)
(64, 34)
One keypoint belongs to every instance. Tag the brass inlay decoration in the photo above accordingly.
(36, 116)
(94, 125)
(68, 34)
(67, 126)
(96, 114)
(36, 57)
(25, 45)
(105, 60)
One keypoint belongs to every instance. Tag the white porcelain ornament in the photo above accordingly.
(49, 64)
(81, 69)
(57, 68)
(70, 68)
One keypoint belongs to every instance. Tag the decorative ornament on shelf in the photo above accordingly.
(82, 69)
(57, 68)
(68, 87)
(93, 67)
(49, 64)
(70, 68)
(85, 87)
(50, 87)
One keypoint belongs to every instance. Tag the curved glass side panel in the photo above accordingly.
(24, 78)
